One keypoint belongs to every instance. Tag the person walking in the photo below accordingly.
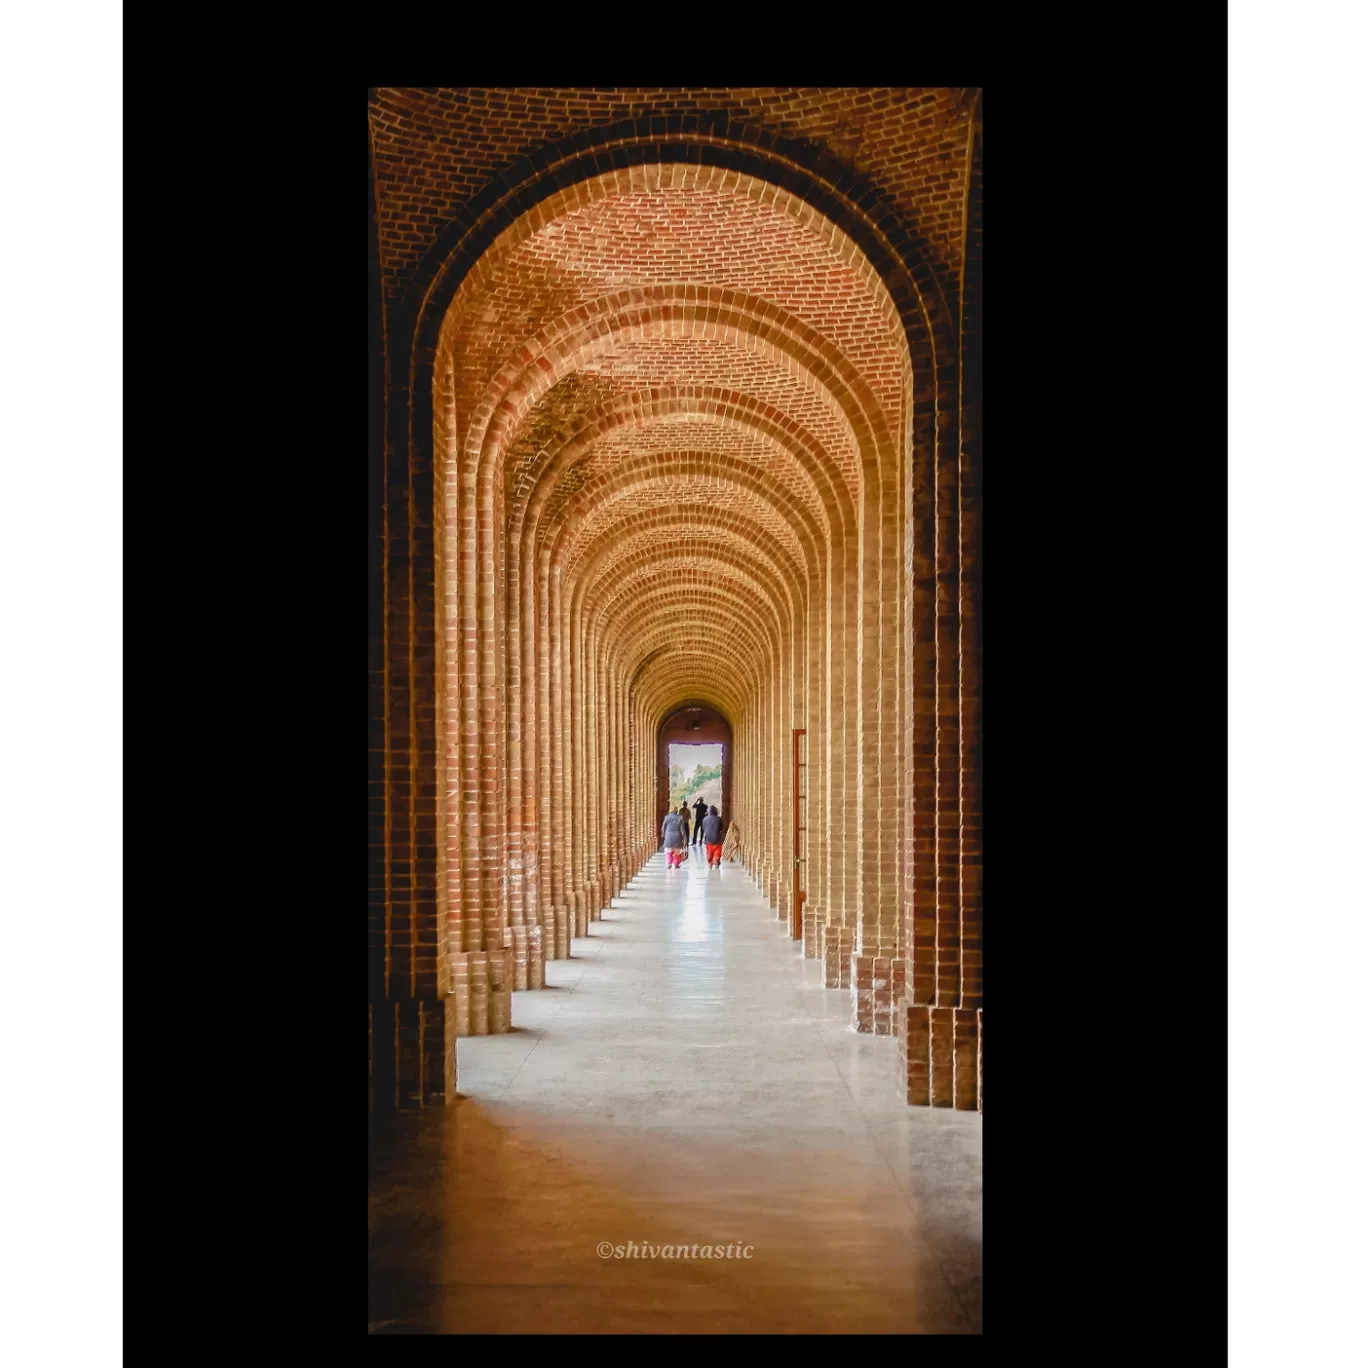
(700, 812)
(711, 827)
(674, 837)
(684, 822)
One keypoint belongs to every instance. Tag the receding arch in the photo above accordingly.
(556, 676)
(843, 567)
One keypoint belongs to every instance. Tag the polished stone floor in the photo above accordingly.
(683, 1080)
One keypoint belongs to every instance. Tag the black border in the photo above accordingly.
(1103, 566)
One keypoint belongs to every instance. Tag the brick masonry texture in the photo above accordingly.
(675, 404)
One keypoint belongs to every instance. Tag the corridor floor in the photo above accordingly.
(683, 1080)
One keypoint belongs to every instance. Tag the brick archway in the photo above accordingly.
(834, 484)
(692, 723)
(527, 651)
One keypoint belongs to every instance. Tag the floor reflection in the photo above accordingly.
(686, 1081)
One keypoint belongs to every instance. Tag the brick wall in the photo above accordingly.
(675, 411)
(438, 150)
(943, 906)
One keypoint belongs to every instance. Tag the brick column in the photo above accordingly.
(421, 1035)
(890, 983)
(460, 992)
(536, 958)
(980, 1060)
(862, 992)
(878, 983)
(971, 801)
(913, 1027)
(814, 922)
(837, 947)
(942, 1056)
(966, 1060)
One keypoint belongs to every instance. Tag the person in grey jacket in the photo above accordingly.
(712, 837)
(674, 838)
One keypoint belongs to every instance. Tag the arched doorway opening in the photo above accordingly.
(692, 724)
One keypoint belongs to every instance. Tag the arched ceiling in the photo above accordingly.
(677, 384)
(437, 149)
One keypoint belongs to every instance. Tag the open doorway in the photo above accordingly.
(693, 759)
(696, 773)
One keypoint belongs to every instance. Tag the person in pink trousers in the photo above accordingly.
(675, 838)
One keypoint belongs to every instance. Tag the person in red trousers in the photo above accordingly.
(712, 837)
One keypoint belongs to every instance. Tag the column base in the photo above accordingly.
(942, 1056)
(482, 984)
(940, 1050)
(814, 923)
(912, 1026)
(412, 1054)
(479, 991)
(965, 1086)
(460, 992)
(838, 945)
(501, 979)
(520, 952)
(536, 959)
(877, 982)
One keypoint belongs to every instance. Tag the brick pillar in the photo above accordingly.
(408, 1053)
(980, 1059)
(439, 1052)
(424, 1044)
(942, 1056)
(913, 1024)
(813, 921)
(862, 992)
(460, 992)
(548, 932)
(878, 983)
(536, 958)
(500, 1010)
(501, 975)
(966, 1060)
(479, 991)
(889, 985)
(971, 799)
(838, 944)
